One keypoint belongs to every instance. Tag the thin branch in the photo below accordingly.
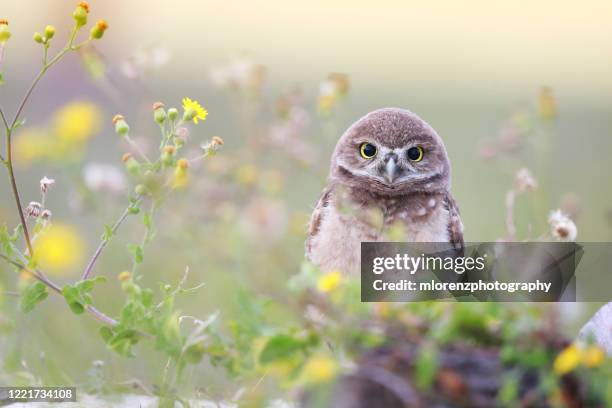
(103, 243)
(15, 191)
(9, 130)
(6, 126)
(44, 69)
(98, 315)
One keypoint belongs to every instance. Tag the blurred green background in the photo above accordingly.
(474, 70)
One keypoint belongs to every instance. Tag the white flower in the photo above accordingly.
(562, 227)
(104, 177)
(33, 209)
(524, 181)
(45, 183)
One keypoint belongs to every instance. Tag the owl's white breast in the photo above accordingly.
(337, 246)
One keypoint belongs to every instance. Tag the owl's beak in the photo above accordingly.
(391, 170)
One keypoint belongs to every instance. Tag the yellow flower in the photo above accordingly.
(593, 356)
(329, 282)
(123, 276)
(58, 249)
(547, 103)
(32, 144)
(77, 121)
(193, 110)
(567, 360)
(319, 369)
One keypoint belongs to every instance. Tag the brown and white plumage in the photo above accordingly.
(387, 197)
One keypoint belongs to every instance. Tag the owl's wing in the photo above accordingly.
(455, 226)
(317, 218)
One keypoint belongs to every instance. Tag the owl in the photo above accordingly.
(389, 181)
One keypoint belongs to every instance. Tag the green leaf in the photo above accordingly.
(32, 295)
(8, 241)
(106, 333)
(137, 252)
(72, 297)
(280, 347)
(108, 233)
(426, 366)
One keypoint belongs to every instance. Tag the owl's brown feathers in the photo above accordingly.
(385, 197)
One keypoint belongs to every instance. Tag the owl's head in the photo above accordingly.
(391, 151)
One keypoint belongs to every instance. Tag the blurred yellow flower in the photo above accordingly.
(193, 110)
(567, 360)
(319, 369)
(330, 281)
(77, 121)
(593, 356)
(123, 276)
(31, 144)
(547, 103)
(58, 249)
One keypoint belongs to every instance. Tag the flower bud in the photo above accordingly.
(123, 276)
(216, 141)
(121, 127)
(167, 156)
(141, 189)
(179, 141)
(45, 184)
(80, 14)
(98, 30)
(181, 177)
(189, 114)
(131, 164)
(182, 164)
(38, 38)
(46, 215)
(159, 114)
(49, 32)
(172, 113)
(5, 34)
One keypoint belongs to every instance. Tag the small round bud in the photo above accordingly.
(216, 141)
(172, 113)
(189, 114)
(121, 127)
(167, 156)
(46, 215)
(38, 38)
(182, 164)
(179, 141)
(159, 114)
(140, 189)
(49, 32)
(98, 30)
(123, 276)
(80, 16)
(5, 34)
(126, 157)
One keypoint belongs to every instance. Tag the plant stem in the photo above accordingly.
(9, 131)
(101, 317)
(103, 243)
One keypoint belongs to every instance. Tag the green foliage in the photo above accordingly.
(33, 294)
(280, 347)
(78, 296)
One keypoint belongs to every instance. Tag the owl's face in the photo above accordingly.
(391, 151)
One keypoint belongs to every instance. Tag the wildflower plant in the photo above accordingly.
(146, 315)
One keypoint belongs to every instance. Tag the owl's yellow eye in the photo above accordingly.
(415, 154)
(367, 150)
